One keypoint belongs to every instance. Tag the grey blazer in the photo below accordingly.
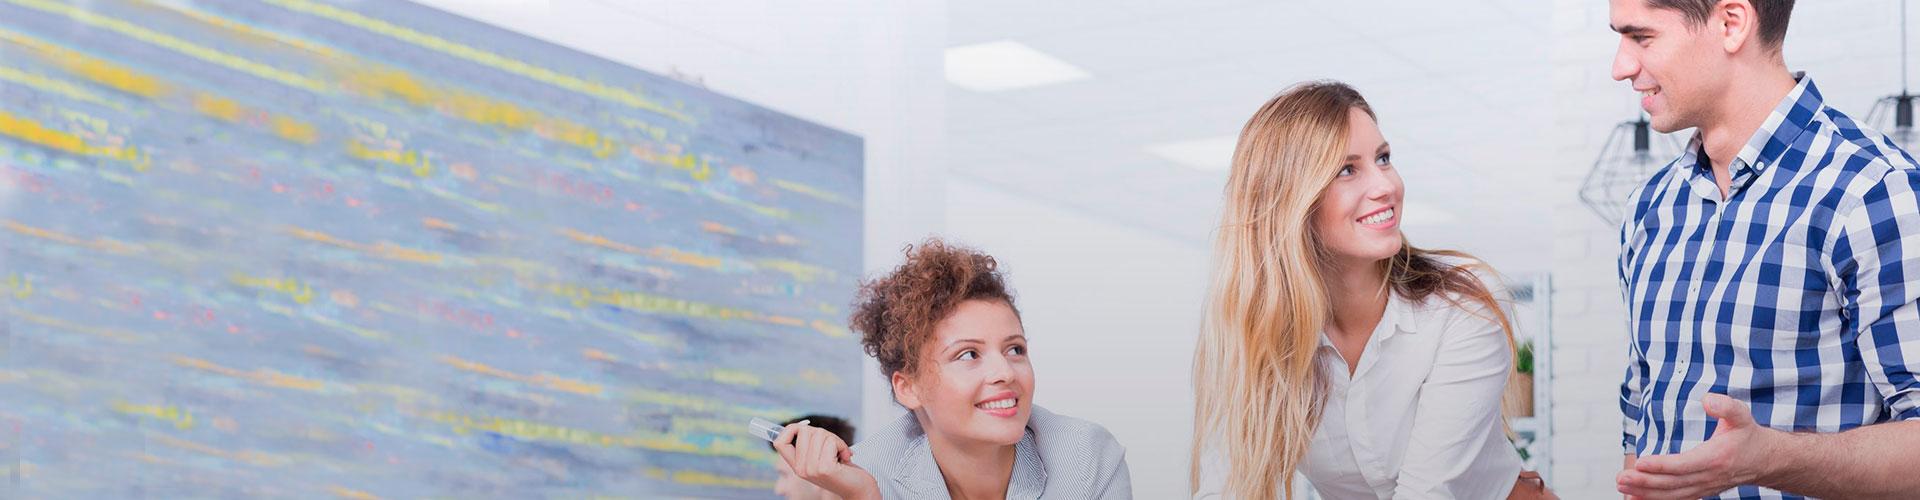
(1060, 457)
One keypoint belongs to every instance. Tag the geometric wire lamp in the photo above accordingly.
(1626, 161)
(1898, 107)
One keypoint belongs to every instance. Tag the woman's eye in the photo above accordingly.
(1346, 171)
(1018, 350)
(1384, 159)
(967, 356)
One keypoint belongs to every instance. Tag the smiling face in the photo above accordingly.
(1674, 65)
(1357, 217)
(975, 386)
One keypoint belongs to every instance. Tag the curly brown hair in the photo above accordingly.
(896, 313)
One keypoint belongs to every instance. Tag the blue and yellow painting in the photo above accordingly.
(368, 249)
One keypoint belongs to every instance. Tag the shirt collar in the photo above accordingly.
(919, 474)
(1392, 322)
(1792, 116)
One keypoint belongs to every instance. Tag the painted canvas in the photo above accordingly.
(369, 249)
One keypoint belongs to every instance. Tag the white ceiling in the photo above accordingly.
(1463, 89)
(1460, 88)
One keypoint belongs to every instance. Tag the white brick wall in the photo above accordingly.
(1588, 317)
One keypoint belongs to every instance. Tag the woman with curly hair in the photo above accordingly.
(949, 339)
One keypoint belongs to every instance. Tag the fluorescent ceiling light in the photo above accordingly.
(1006, 65)
(1211, 154)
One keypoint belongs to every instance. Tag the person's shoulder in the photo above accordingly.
(1451, 301)
(879, 449)
(1079, 452)
(1648, 188)
(1063, 436)
(1654, 186)
(1053, 426)
(1457, 310)
(1863, 150)
(1480, 268)
(1880, 178)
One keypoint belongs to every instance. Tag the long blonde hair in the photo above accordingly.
(1257, 388)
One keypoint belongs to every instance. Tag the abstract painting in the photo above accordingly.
(369, 249)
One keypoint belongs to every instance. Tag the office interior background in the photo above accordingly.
(1083, 144)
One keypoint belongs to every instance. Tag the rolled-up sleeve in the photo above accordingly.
(1636, 372)
(1630, 399)
(1876, 258)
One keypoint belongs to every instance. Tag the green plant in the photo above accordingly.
(1523, 358)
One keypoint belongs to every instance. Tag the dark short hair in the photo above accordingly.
(836, 425)
(895, 314)
(1773, 16)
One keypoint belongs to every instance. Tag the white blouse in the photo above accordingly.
(1419, 417)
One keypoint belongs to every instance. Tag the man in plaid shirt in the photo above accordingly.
(1771, 273)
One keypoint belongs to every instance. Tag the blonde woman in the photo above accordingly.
(1333, 348)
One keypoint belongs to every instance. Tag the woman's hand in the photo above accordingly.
(820, 457)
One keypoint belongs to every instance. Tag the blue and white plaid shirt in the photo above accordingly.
(1795, 295)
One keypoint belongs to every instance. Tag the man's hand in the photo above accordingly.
(1735, 455)
(820, 457)
(1624, 467)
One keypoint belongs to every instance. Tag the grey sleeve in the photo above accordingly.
(1118, 484)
